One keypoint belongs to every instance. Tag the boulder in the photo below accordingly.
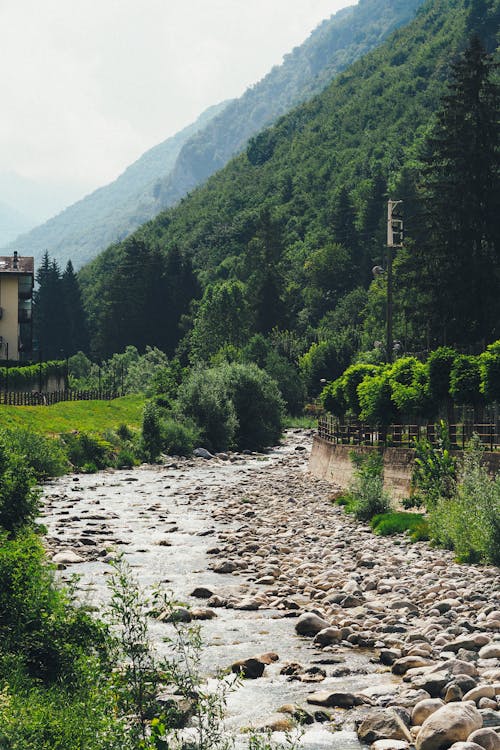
(472, 642)
(67, 558)
(383, 724)
(490, 651)
(451, 723)
(200, 592)
(327, 699)
(328, 636)
(250, 669)
(310, 624)
(401, 666)
(423, 709)
(202, 453)
(390, 745)
(486, 737)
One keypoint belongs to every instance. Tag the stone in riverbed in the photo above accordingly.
(67, 558)
(423, 709)
(327, 699)
(401, 666)
(328, 636)
(200, 592)
(250, 669)
(454, 722)
(472, 642)
(202, 453)
(310, 624)
(390, 745)
(383, 724)
(486, 738)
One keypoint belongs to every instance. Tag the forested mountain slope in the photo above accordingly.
(112, 212)
(166, 173)
(298, 219)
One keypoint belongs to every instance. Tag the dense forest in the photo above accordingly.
(282, 241)
(167, 172)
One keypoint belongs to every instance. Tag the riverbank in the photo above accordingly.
(262, 536)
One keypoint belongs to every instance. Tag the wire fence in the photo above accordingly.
(333, 431)
(38, 398)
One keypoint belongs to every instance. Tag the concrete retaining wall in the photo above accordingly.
(333, 464)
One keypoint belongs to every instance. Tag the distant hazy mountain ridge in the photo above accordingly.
(166, 173)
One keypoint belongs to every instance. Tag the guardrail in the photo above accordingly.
(37, 398)
(404, 435)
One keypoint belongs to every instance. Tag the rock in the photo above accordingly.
(453, 693)
(328, 636)
(327, 699)
(216, 601)
(432, 683)
(389, 655)
(201, 613)
(313, 674)
(390, 745)
(310, 624)
(202, 453)
(423, 709)
(250, 669)
(179, 614)
(482, 691)
(248, 604)
(268, 657)
(473, 642)
(490, 651)
(465, 746)
(226, 566)
(67, 558)
(454, 722)
(299, 714)
(200, 592)
(401, 666)
(486, 738)
(383, 724)
(278, 722)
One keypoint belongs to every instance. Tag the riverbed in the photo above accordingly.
(286, 549)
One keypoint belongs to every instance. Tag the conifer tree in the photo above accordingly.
(77, 338)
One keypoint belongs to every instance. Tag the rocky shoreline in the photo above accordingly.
(431, 624)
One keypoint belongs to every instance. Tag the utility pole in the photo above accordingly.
(394, 239)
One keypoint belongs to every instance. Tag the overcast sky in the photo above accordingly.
(89, 85)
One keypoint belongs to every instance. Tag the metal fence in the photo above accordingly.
(404, 435)
(37, 398)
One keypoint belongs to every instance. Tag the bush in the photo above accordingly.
(18, 497)
(326, 360)
(489, 364)
(151, 440)
(375, 400)
(203, 398)
(88, 452)
(435, 468)
(439, 364)
(469, 522)
(45, 456)
(367, 495)
(465, 380)
(178, 439)
(333, 398)
(409, 392)
(258, 405)
(387, 524)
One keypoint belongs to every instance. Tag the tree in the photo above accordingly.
(50, 311)
(460, 261)
(222, 318)
(77, 336)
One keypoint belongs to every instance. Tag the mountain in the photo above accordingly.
(167, 173)
(298, 218)
(112, 212)
(12, 223)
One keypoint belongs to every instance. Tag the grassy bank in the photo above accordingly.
(83, 416)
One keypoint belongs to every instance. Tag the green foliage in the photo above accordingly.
(27, 377)
(325, 360)
(234, 405)
(375, 399)
(469, 521)
(465, 380)
(333, 399)
(408, 380)
(434, 471)
(414, 524)
(44, 456)
(367, 497)
(18, 498)
(222, 318)
(88, 452)
(439, 365)
(151, 440)
(178, 438)
(489, 363)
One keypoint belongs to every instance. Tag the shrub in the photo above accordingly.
(465, 380)
(489, 363)
(409, 393)
(88, 452)
(178, 439)
(435, 468)
(289, 381)
(387, 524)
(374, 394)
(352, 377)
(233, 405)
(367, 495)
(258, 405)
(325, 360)
(18, 497)
(45, 456)
(439, 364)
(151, 441)
(333, 398)
(203, 399)
(469, 522)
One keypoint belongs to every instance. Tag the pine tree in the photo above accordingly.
(50, 313)
(77, 338)
(460, 261)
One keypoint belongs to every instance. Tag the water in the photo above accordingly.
(158, 517)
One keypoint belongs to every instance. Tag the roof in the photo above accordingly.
(24, 264)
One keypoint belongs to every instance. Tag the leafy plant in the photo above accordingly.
(367, 496)
(434, 470)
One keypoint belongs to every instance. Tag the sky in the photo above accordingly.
(89, 85)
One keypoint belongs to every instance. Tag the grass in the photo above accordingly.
(387, 524)
(84, 416)
(304, 422)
